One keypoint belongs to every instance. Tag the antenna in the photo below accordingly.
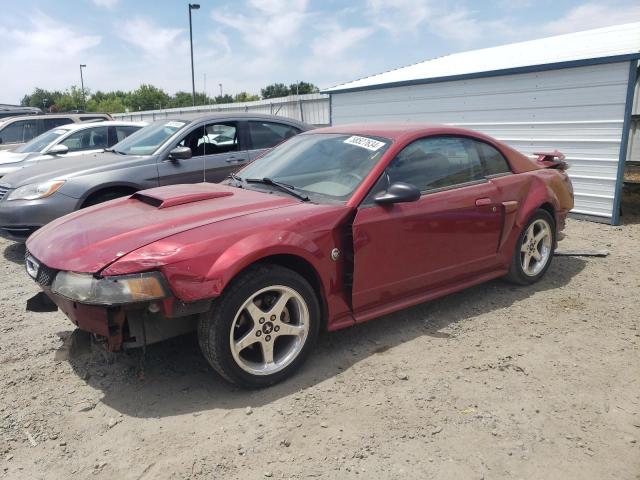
(204, 154)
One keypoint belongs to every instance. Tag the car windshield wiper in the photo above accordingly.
(237, 178)
(114, 151)
(282, 186)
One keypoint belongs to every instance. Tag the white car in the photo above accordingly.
(67, 140)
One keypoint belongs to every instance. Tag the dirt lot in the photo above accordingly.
(494, 382)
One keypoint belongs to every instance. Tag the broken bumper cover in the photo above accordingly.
(120, 324)
(134, 325)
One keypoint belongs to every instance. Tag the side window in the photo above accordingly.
(436, 162)
(87, 139)
(212, 139)
(123, 132)
(50, 123)
(269, 134)
(19, 132)
(492, 160)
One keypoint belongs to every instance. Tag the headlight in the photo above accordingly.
(35, 191)
(116, 290)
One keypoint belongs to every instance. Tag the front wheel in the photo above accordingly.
(534, 249)
(262, 328)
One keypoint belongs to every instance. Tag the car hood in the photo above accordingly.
(68, 167)
(91, 239)
(7, 157)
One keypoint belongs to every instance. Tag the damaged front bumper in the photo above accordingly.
(127, 325)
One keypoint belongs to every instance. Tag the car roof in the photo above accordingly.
(396, 131)
(107, 123)
(53, 115)
(242, 115)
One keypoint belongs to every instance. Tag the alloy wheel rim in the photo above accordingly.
(535, 250)
(269, 330)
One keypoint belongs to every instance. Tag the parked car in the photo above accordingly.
(68, 141)
(332, 228)
(16, 131)
(16, 110)
(163, 153)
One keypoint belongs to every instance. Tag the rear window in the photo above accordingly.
(50, 123)
(492, 160)
(19, 132)
(269, 134)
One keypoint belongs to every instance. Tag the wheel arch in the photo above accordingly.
(303, 268)
(105, 188)
(288, 249)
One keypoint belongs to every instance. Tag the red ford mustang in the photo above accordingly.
(334, 227)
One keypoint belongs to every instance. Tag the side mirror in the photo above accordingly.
(398, 192)
(180, 153)
(58, 150)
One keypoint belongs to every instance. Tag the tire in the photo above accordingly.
(105, 197)
(289, 330)
(520, 271)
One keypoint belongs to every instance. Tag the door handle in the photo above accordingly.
(482, 202)
(234, 160)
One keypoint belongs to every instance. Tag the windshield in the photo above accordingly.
(329, 165)
(40, 142)
(147, 140)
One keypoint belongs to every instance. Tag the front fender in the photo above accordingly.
(258, 246)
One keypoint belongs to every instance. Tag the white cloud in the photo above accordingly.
(399, 16)
(106, 3)
(47, 53)
(155, 41)
(593, 15)
(270, 25)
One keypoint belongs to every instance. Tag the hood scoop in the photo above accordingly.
(178, 195)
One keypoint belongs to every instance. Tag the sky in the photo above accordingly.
(247, 44)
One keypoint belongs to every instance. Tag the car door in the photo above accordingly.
(266, 135)
(451, 233)
(217, 149)
(86, 141)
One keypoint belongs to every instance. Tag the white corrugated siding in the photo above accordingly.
(634, 141)
(311, 108)
(579, 111)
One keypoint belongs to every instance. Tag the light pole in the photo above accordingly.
(84, 103)
(220, 89)
(192, 6)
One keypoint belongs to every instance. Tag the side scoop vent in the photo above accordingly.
(177, 199)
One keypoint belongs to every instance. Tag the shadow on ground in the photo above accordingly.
(14, 252)
(176, 379)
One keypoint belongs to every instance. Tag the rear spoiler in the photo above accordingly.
(553, 159)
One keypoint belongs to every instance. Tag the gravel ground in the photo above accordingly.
(494, 382)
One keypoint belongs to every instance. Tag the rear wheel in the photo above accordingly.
(534, 249)
(262, 328)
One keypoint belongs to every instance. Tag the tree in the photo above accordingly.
(40, 98)
(71, 99)
(302, 88)
(245, 97)
(226, 98)
(275, 90)
(148, 97)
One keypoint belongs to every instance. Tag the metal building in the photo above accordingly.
(573, 92)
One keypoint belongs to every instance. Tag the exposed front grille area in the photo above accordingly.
(3, 191)
(45, 275)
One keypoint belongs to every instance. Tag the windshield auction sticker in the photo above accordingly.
(174, 124)
(364, 142)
